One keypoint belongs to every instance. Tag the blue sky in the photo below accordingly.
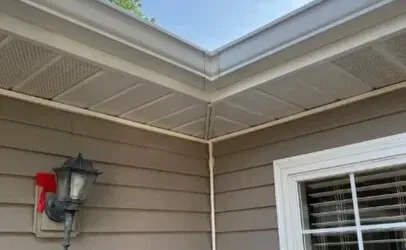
(213, 23)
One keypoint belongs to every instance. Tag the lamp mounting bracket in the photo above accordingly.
(54, 211)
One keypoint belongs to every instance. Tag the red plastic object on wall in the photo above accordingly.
(47, 183)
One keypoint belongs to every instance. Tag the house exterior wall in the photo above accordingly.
(245, 200)
(153, 194)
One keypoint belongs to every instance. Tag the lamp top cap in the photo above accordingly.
(79, 164)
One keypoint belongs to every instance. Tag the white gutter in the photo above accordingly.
(312, 19)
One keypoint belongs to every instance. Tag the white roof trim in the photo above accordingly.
(291, 29)
(302, 24)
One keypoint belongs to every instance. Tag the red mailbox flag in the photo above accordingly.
(47, 184)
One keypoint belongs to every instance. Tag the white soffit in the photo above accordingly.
(40, 63)
(222, 125)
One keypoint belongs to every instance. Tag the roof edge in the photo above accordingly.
(293, 28)
(133, 31)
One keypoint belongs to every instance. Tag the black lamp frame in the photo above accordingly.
(65, 210)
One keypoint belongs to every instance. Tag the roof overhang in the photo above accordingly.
(312, 20)
(98, 32)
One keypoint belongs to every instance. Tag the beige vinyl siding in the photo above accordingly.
(122, 241)
(153, 194)
(245, 199)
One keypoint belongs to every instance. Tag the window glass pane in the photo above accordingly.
(328, 203)
(382, 196)
(339, 241)
(385, 240)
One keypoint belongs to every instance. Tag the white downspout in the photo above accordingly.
(212, 201)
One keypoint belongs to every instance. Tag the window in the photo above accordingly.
(352, 197)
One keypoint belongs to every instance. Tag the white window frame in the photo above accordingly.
(289, 172)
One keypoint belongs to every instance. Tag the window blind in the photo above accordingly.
(329, 217)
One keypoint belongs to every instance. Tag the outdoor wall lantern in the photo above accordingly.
(74, 180)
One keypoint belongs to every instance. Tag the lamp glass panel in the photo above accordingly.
(63, 179)
(80, 185)
(91, 178)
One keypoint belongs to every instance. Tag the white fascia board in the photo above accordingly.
(363, 38)
(53, 40)
(302, 24)
(119, 25)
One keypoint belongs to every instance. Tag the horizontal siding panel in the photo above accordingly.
(367, 109)
(127, 197)
(104, 196)
(245, 199)
(20, 190)
(25, 163)
(147, 241)
(121, 175)
(255, 219)
(20, 219)
(246, 178)
(138, 156)
(61, 143)
(258, 240)
(111, 131)
(25, 112)
(367, 130)
(100, 220)
(51, 118)
(16, 219)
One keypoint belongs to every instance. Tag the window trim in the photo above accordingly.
(288, 172)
